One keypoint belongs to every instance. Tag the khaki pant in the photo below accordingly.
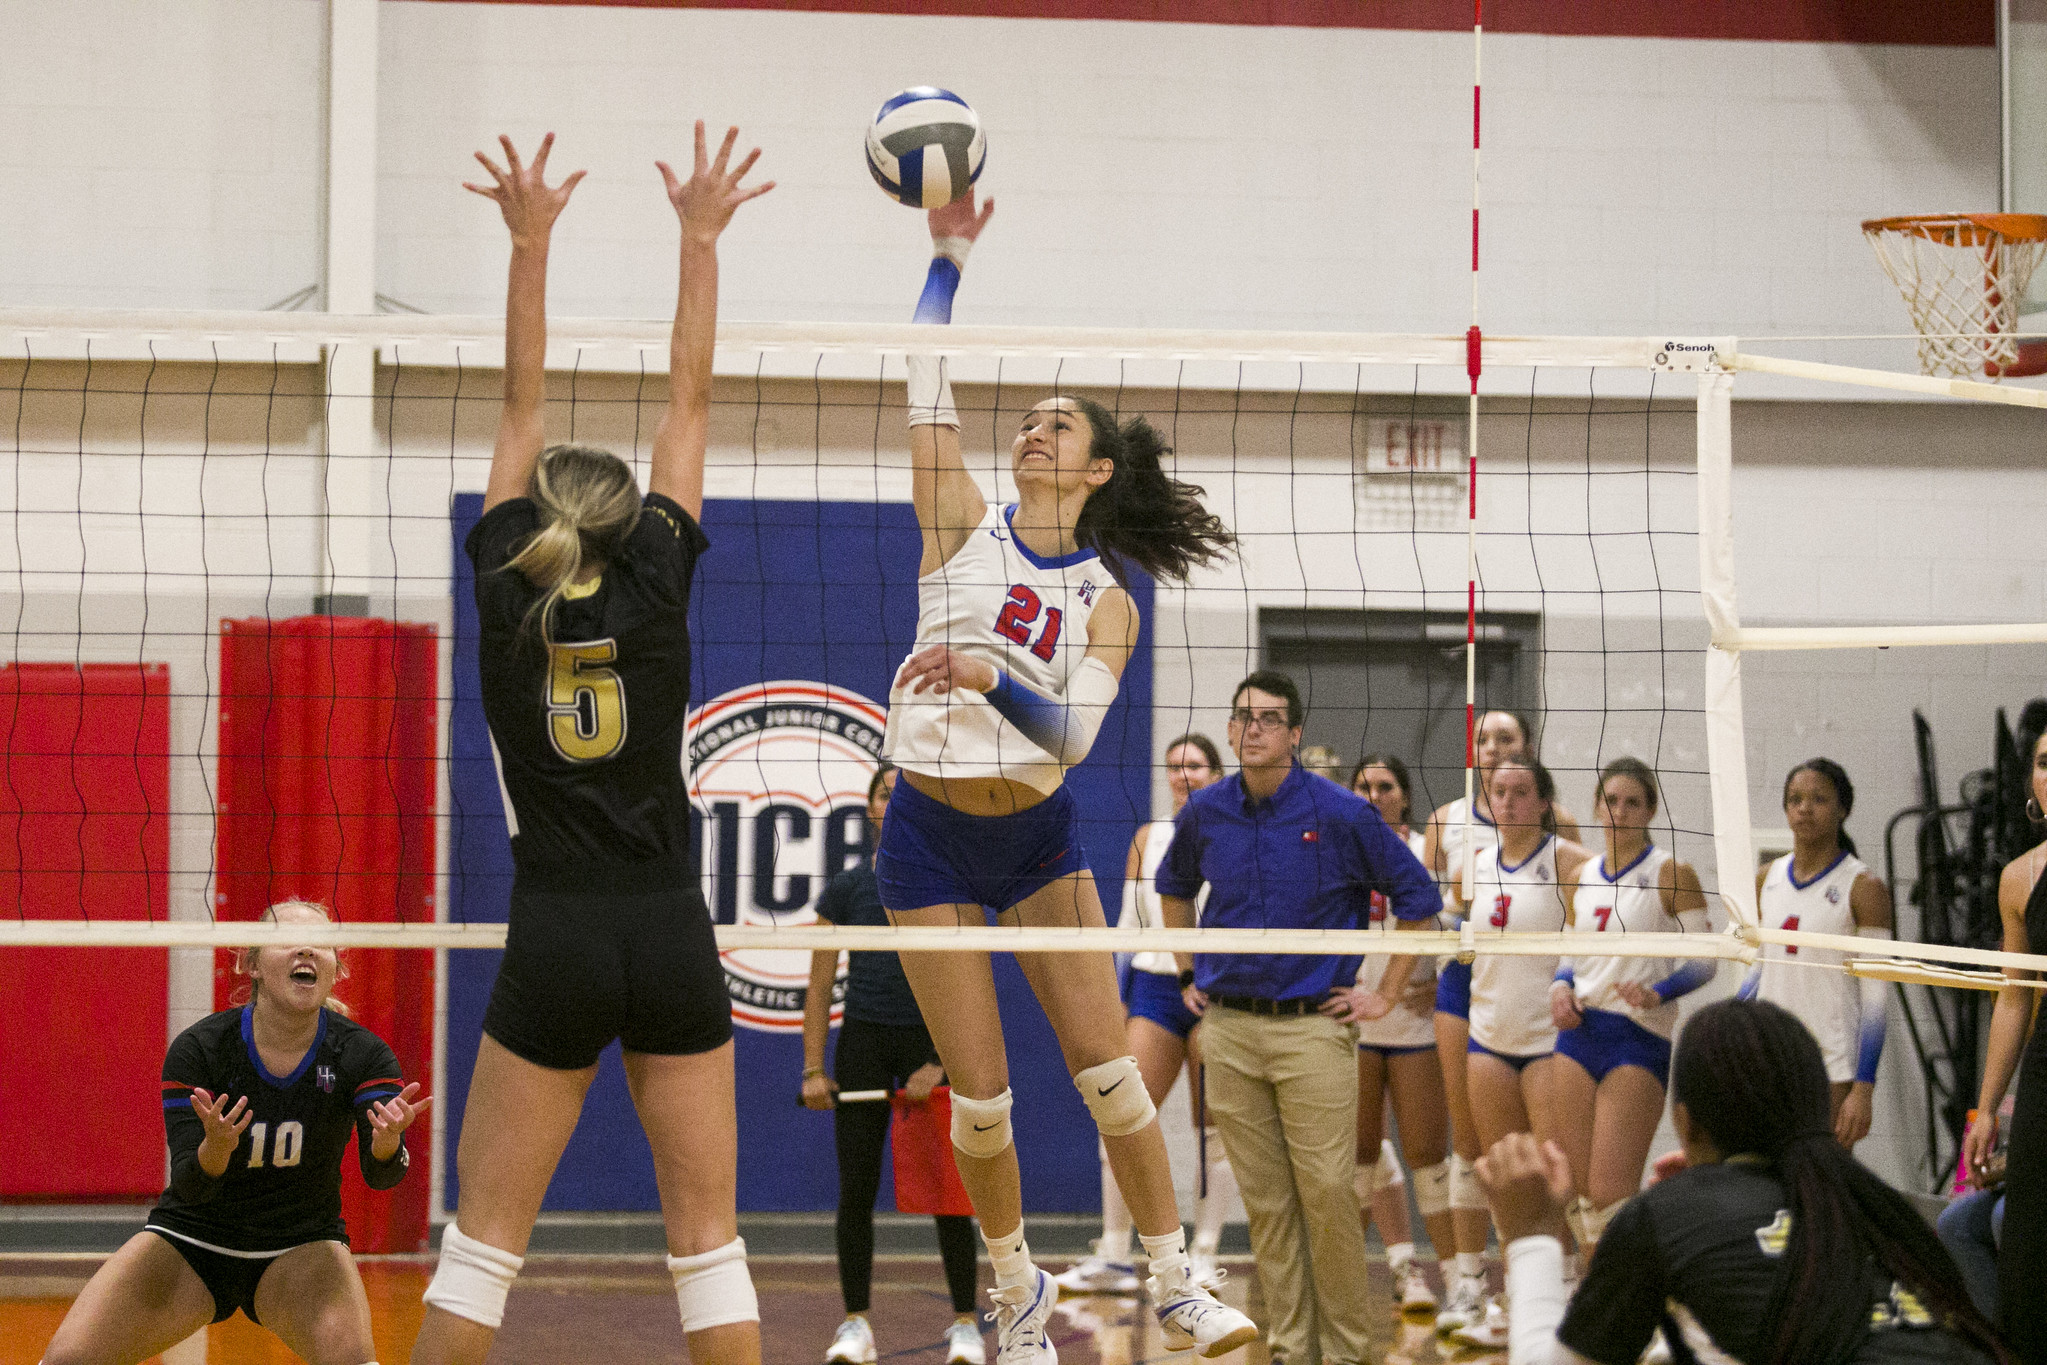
(1284, 1094)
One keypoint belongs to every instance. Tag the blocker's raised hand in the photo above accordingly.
(707, 200)
(522, 193)
(390, 1118)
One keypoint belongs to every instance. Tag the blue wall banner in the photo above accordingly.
(801, 614)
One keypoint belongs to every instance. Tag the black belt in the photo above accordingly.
(1252, 1004)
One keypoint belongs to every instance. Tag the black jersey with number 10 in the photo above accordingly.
(589, 731)
(282, 1186)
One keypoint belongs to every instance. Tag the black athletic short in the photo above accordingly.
(582, 969)
(232, 1280)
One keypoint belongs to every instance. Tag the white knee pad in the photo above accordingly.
(1115, 1095)
(981, 1127)
(1465, 1191)
(472, 1279)
(1432, 1189)
(714, 1289)
(1390, 1159)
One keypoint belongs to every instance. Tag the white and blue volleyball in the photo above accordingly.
(925, 147)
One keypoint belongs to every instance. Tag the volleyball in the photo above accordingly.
(925, 147)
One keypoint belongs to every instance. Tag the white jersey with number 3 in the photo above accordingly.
(1627, 902)
(1025, 614)
(1400, 1026)
(1510, 995)
(1827, 1002)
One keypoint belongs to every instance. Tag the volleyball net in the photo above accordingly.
(242, 657)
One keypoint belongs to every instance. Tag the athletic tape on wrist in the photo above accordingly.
(930, 391)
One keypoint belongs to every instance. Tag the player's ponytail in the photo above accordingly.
(1749, 1074)
(245, 960)
(1844, 793)
(589, 503)
(1142, 515)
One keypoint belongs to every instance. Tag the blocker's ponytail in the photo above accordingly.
(589, 503)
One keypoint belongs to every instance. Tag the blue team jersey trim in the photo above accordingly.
(381, 1093)
(1546, 839)
(185, 1103)
(1080, 556)
(1611, 877)
(255, 1057)
(1791, 870)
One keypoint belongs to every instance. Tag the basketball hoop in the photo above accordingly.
(1963, 275)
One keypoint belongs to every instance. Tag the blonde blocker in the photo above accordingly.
(589, 503)
(245, 960)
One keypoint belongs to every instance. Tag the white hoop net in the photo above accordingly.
(1963, 277)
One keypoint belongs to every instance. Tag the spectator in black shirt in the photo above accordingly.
(1771, 1246)
(883, 1045)
(258, 1105)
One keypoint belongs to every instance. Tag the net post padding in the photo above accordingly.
(1963, 276)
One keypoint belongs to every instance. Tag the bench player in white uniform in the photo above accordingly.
(1161, 1031)
(1615, 1015)
(1516, 887)
(1821, 887)
(1500, 735)
(1023, 632)
(1398, 1067)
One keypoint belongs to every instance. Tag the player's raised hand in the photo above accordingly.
(522, 193)
(961, 220)
(707, 200)
(395, 1115)
(942, 668)
(224, 1123)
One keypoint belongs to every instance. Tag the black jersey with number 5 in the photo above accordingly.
(282, 1186)
(589, 731)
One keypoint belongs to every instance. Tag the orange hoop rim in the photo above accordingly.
(1965, 229)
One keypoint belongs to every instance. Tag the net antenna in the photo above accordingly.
(1964, 276)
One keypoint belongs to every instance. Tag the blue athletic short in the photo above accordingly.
(1453, 989)
(931, 854)
(1156, 996)
(1607, 1040)
(1396, 1051)
(1509, 1058)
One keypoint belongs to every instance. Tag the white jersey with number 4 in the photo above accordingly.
(1028, 616)
(1827, 1002)
(1400, 1026)
(1510, 994)
(1625, 902)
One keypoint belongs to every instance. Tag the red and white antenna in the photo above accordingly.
(1474, 364)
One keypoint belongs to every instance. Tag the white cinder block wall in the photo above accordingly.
(168, 155)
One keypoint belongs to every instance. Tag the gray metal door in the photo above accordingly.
(1393, 682)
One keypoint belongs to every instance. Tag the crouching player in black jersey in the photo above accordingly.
(582, 593)
(258, 1104)
(1769, 1243)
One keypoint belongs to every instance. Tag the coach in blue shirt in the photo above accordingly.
(1280, 848)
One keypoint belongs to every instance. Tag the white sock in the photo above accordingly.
(1115, 1245)
(1011, 1257)
(1212, 1208)
(1398, 1255)
(1471, 1264)
(1167, 1252)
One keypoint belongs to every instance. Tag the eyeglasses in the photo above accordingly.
(1259, 720)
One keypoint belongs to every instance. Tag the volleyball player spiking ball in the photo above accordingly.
(259, 1103)
(582, 589)
(1023, 631)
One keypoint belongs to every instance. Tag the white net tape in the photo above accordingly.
(1963, 279)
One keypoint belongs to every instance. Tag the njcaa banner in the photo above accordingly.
(800, 615)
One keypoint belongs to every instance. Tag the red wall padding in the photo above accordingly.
(84, 834)
(326, 793)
